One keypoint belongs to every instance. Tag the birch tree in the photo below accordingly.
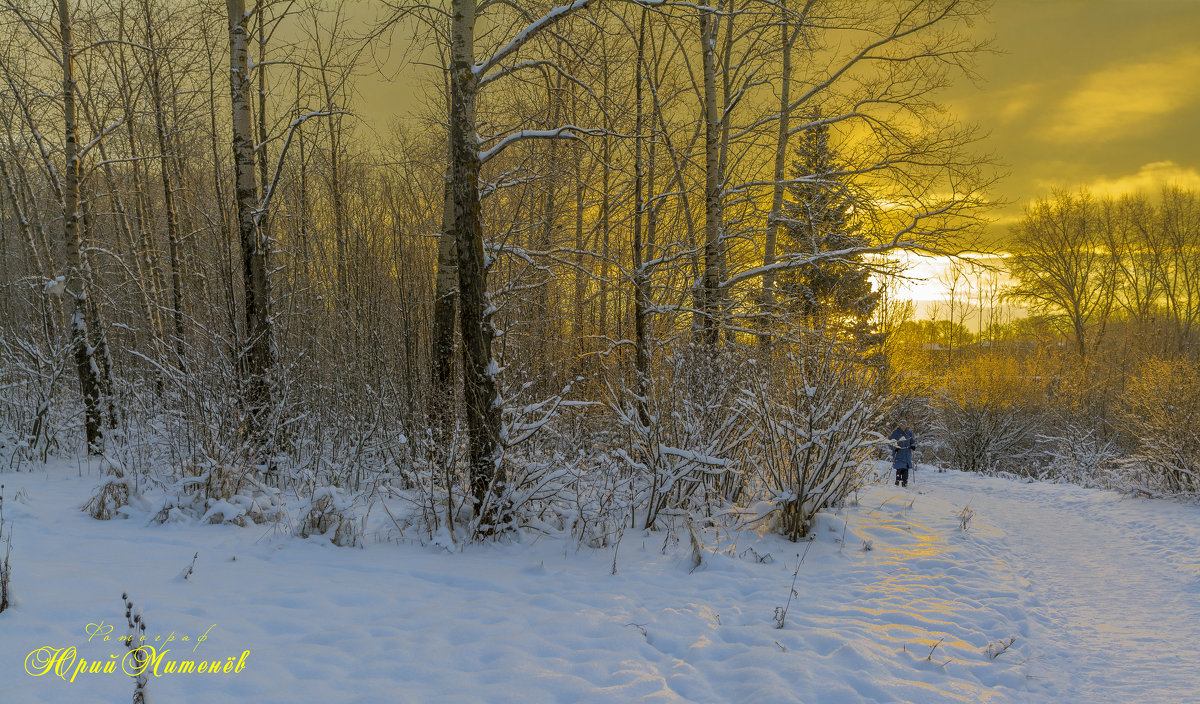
(710, 284)
(155, 81)
(84, 327)
(467, 154)
(86, 364)
(258, 347)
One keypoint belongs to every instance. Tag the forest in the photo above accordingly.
(616, 264)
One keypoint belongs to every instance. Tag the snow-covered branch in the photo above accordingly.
(525, 35)
(564, 132)
(296, 123)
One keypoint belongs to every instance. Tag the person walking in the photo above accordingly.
(902, 447)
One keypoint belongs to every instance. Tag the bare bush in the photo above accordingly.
(31, 373)
(1162, 411)
(683, 455)
(328, 514)
(813, 434)
(964, 518)
(112, 494)
(988, 416)
(1078, 456)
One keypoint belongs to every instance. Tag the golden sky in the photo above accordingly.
(1103, 94)
(1096, 93)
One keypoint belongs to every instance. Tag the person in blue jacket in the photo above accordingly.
(902, 447)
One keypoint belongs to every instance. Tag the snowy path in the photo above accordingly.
(1100, 591)
(1114, 581)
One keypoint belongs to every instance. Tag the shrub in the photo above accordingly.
(1078, 456)
(686, 457)
(1162, 411)
(813, 435)
(988, 414)
(328, 514)
(112, 495)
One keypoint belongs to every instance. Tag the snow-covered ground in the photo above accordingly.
(1101, 592)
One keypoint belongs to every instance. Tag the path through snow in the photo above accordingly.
(1114, 582)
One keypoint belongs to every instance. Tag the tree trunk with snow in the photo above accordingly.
(787, 37)
(710, 280)
(258, 354)
(85, 363)
(479, 370)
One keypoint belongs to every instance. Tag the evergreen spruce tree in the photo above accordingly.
(833, 296)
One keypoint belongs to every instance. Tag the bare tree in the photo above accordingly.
(1063, 268)
(84, 326)
(258, 348)
(467, 76)
(168, 182)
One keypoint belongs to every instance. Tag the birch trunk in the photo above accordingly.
(258, 354)
(85, 362)
(605, 186)
(767, 302)
(160, 131)
(710, 303)
(580, 276)
(479, 383)
(641, 360)
(97, 339)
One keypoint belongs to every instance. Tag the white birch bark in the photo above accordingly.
(85, 363)
(258, 354)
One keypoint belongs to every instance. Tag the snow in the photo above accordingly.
(1115, 586)
(56, 287)
(1102, 594)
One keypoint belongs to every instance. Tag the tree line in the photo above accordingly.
(1097, 383)
(220, 277)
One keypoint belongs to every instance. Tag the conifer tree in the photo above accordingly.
(832, 295)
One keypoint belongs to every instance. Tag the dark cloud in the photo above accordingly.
(1097, 93)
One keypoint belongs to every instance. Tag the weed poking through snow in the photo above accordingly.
(133, 643)
(697, 557)
(617, 546)
(781, 611)
(842, 540)
(187, 571)
(760, 559)
(964, 517)
(935, 647)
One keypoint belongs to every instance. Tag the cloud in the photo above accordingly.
(1121, 99)
(1149, 179)
(1014, 103)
